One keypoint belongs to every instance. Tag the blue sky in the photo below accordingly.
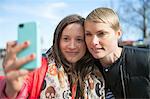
(46, 12)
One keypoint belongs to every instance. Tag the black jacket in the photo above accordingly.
(129, 76)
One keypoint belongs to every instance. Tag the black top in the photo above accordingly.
(129, 76)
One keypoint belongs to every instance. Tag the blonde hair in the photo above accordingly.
(104, 15)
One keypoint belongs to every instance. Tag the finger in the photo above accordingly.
(8, 62)
(9, 56)
(12, 52)
(20, 47)
(13, 75)
(20, 62)
(10, 44)
(12, 49)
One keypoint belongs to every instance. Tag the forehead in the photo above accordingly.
(73, 28)
(96, 25)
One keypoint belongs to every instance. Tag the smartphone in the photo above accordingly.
(29, 32)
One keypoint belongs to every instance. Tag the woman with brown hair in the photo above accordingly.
(60, 76)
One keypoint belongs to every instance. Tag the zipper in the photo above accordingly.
(122, 81)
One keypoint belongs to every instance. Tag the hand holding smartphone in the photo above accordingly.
(29, 32)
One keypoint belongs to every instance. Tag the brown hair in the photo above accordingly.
(57, 34)
(55, 52)
(83, 67)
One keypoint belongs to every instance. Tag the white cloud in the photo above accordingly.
(46, 10)
(58, 5)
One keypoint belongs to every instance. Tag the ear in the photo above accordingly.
(119, 33)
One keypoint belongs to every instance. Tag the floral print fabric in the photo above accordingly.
(57, 86)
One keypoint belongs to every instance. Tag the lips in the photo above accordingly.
(97, 50)
(71, 53)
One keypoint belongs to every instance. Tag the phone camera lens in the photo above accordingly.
(21, 25)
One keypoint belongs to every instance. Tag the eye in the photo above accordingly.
(80, 40)
(101, 34)
(88, 34)
(65, 39)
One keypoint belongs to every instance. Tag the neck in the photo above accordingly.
(111, 58)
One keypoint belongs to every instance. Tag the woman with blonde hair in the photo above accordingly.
(126, 70)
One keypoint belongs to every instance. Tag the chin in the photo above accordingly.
(97, 56)
(72, 61)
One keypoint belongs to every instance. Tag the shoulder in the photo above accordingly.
(136, 56)
(136, 52)
(136, 49)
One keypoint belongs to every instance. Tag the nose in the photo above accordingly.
(95, 40)
(72, 44)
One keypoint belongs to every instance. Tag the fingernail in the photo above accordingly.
(25, 43)
(32, 56)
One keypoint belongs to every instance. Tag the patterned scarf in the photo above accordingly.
(57, 86)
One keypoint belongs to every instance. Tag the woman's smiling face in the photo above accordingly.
(72, 44)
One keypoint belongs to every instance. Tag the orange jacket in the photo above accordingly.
(32, 86)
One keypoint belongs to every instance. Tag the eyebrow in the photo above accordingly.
(100, 31)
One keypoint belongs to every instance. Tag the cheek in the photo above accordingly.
(62, 45)
(84, 48)
(110, 43)
(87, 40)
